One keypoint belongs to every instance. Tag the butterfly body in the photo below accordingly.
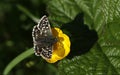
(43, 38)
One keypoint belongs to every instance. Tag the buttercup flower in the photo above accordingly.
(61, 48)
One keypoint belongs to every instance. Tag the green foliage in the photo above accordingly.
(17, 60)
(21, 8)
(102, 58)
(92, 63)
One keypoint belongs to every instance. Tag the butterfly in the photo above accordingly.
(43, 39)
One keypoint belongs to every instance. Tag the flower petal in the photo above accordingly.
(60, 49)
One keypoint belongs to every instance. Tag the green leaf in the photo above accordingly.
(17, 60)
(110, 43)
(92, 63)
(102, 16)
(63, 11)
(109, 32)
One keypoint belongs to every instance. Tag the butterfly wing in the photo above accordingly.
(40, 33)
(44, 26)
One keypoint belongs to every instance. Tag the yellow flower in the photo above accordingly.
(60, 49)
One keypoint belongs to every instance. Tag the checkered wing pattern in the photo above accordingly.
(43, 39)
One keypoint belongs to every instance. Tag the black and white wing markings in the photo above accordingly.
(36, 36)
(44, 26)
(43, 39)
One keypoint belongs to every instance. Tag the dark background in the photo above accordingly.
(15, 37)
